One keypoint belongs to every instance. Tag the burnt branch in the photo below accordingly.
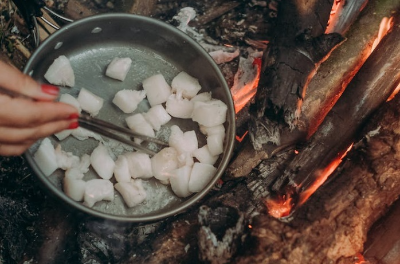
(370, 87)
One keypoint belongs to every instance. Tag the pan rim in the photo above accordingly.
(230, 138)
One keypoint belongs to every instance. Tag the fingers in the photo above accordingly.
(23, 113)
(29, 135)
(14, 80)
(13, 150)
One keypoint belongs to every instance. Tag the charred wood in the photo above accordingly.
(370, 87)
(337, 71)
(332, 227)
(297, 48)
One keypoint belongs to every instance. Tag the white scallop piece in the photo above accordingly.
(119, 68)
(157, 89)
(97, 190)
(163, 163)
(180, 181)
(200, 176)
(102, 162)
(90, 102)
(45, 157)
(185, 85)
(209, 113)
(179, 107)
(132, 192)
(128, 100)
(60, 72)
(157, 116)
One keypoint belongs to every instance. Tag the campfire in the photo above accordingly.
(315, 166)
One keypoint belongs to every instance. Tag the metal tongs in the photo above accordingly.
(109, 130)
(103, 128)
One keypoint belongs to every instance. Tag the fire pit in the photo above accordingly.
(277, 157)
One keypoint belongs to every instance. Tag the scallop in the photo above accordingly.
(132, 192)
(204, 155)
(74, 188)
(179, 107)
(210, 113)
(185, 159)
(157, 116)
(137, 123)
(78, 171)
(45, 157)
(81, 133)
(180, 181)
(119, 68)
(185, 85)
(215, 143)
(183, 141)
(97, 190)
(102, 162)
(128, 100)
(139, 165)
(163, 163)
(200, 176)
(90, 102)
(65, 160)
(202, 97)
(219, 129)
(157, 89)
(60, 72)
(121, 169)
(69, 99)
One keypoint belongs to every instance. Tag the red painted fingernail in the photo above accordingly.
(73, 116)
(73, 125)
(50, 89)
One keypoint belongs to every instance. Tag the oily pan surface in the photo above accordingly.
(154, 47)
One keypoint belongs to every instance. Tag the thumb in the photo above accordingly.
(14, 80)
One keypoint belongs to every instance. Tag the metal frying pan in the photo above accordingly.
(154, 47)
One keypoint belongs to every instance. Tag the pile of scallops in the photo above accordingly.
(183, 165)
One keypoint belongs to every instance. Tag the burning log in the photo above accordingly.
(298, 47)
(332, 227)
(337, 71)
(325, 87)
(370, 87)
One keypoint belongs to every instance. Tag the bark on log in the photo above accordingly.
(332, 226)
(337, 71)
(289, 62)
(327, 85)
(370, 87)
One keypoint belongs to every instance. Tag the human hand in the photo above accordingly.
(22, 121)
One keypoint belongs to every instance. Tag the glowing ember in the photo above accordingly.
(334, 16)
(280, 207)
(245, 82)
(384, 27)
(240, 139)
(284, 205)
(360, 259)
(322, 177)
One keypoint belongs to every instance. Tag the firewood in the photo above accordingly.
(337, 71)
(369, 88)
(326, 86)
(297, 48)
(332, 226)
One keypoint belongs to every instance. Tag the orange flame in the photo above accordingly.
(280, 207)
(384, 27)
(337, 6)
(360, 259)
(240, 139)
(322, 177)
(243, 94)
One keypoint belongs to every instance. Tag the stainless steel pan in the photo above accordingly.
(155, 47)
